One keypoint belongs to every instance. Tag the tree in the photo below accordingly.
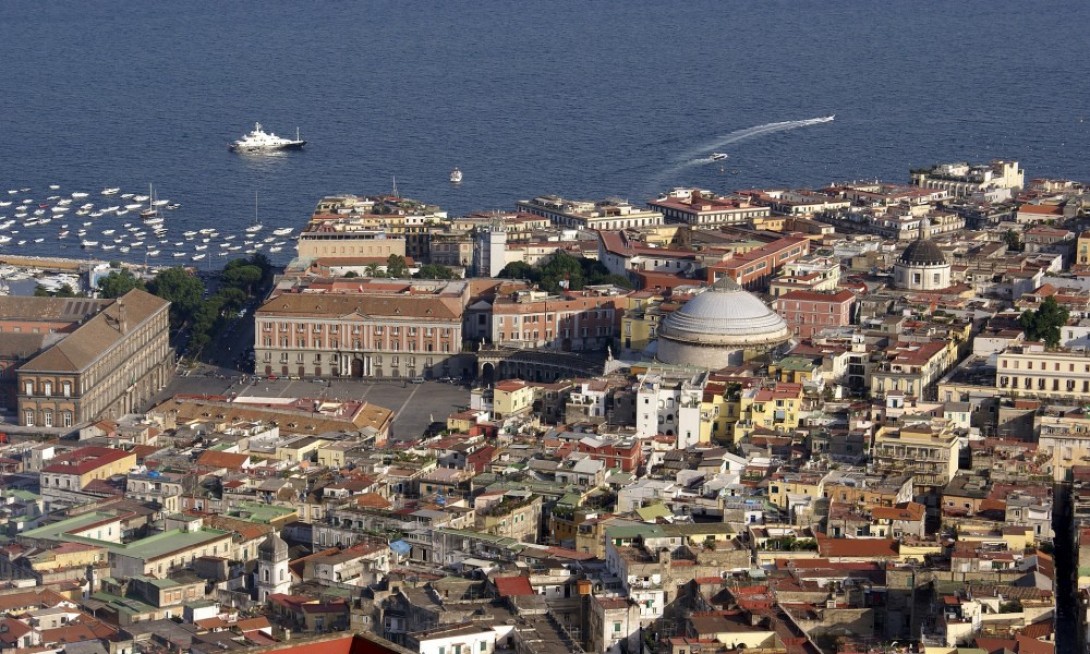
(371, 270)
(246, 277)
(351, 274)
(1012, 241)
(435, 271)
(183, 290)
(1044, 324)
(396, 266)
(41, 291)
(118, 283)
(66, 290)
(232, 299)
(520, 270)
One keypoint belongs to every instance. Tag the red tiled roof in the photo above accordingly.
(513, 586)
(217, 459)
(857, 547)
(84, 460)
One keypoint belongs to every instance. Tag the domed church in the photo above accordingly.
(721, 326)
(922, 266)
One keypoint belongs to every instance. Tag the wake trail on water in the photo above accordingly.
(693, 157)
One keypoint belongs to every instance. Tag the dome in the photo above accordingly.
(273, 548)
(922, 252)
(725, 315)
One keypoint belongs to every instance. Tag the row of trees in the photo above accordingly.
(240, 280)
(564, 271)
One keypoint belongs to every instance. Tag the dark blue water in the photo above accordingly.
(579, 98)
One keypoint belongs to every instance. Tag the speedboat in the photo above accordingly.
(111, 190)
(88, 244)
(282, 231)
(718, 156)
(153, 253)
(141, 198)
(455, 176)
(79, 195)
(261, 141)
(198, 257)
(54, 187)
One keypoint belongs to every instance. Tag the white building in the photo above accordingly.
(490, 250)
(670, 405)
(964, 180)
(272, 568)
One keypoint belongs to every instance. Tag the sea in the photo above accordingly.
(607, 98)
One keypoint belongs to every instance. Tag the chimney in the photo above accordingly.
(121, 322)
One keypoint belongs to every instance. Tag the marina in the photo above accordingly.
(43, 226)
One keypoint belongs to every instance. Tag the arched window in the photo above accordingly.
(266, 574)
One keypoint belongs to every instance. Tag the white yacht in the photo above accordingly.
(455, 176)
(282, 231)
(259, 140)
(111, 190)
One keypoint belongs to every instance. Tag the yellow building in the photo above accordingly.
(73, 470)
(1082, 249)
(795, 370)
(773, 409)
(929, 455)
(67, 556)
(640, 321)
(332, 455)
(770, 223)
(782, 485)
(512, 397)
(299, 449)
(719, 411)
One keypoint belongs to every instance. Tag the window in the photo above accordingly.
(66, 418)
(28, 417)
(28, 388)
(47, 388)
(47, 418)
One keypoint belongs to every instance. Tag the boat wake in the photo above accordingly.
(699, 156)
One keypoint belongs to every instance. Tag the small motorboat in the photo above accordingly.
(111, 190)
(456, 176)
(718, 156)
